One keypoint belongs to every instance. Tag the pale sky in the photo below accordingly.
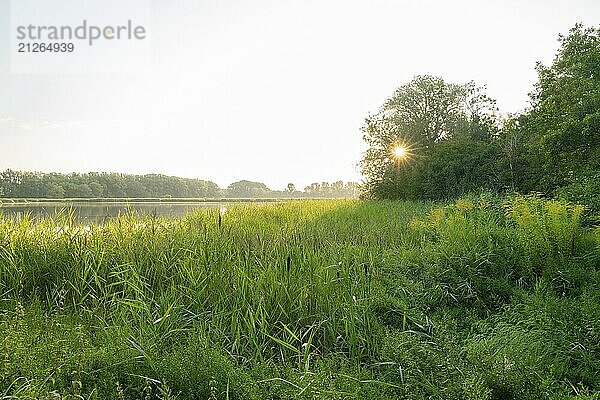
(269, 90)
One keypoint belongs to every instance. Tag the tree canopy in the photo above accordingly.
(20, 184)
(101, 185)
(422, 116)
(456, 143)
(563, 125)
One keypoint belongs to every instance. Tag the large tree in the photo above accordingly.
(419, 116)
(246, 188)
(563, 125)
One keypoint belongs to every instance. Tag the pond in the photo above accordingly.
(98, 212)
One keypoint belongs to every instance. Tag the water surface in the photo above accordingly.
(101, 211)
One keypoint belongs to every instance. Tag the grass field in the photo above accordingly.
(484, 298)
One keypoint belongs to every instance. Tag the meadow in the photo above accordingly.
(483, 298)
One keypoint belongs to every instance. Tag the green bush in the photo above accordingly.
(549, 230)
(585, 191)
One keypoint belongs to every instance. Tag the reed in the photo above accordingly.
(300, 299)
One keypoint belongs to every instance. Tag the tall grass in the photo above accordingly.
(306, 299)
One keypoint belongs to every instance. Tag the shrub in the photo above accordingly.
(548, 230)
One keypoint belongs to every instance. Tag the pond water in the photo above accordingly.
(101, 211)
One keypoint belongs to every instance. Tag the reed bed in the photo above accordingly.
(483, 298)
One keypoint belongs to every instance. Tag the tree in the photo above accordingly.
(97, 189)
(248, 189)
(352, 189)
(514, 168)
(419, 116)
(563, 125)
(54, 191)
(106, 185)
(53, 185)
(313, 190)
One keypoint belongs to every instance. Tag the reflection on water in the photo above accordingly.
(100, 212)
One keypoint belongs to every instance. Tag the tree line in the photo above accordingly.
(22, 184)
(437, 140)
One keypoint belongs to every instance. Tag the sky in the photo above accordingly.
(267, 90)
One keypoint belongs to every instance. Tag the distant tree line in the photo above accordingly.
(107, 185)
(19, 184)
(337, 189)
(438, 140)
